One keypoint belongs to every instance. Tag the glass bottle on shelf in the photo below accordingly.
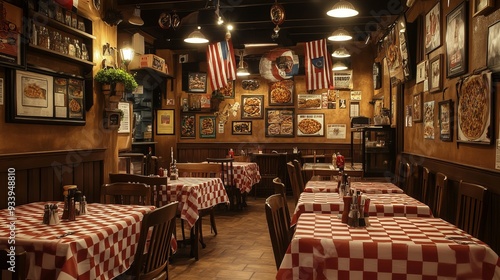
(71, 48)
(78, 50)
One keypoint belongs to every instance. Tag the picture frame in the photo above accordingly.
(309, 101)
(188, 126)
(45, 97)
(281, 93)
(493, 52)
(207, 127)
(13, 54)
(310, 124)
(354, 109)
(435, 73)
(456, 41)
(165, 122)
(279, 122)
(228, 91)
(432, 38)
(124, 107)
(422, 69)
(417, 107)
(445, 120)
(480, 7)
(428, 116)
(197, 82)
(241, 127)
(336, 131)
(250, 84)
(252, 106)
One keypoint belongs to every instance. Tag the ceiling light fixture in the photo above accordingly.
(242, 67)
(339, 66)
(196, 37)
(136, 19)
(340, 35)
(341, 53)
(342, 9)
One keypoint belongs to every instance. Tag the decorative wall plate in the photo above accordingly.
(277, 14)
(165, 21)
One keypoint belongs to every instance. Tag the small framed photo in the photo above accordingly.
(207, 127)
(12, 51)
(165, 122)
(279, 122)
(188, 126)
(422, 68)
(456, 41)
(309, 101)
(242, 127)
(281, 93)
(446, 120)
(197, 82)
(435, 70)
(228, 91)
(252, 106)
(310, 124)
(493, 57)
(480, 7)
(354, 109)
(417, 107)
(433, 28)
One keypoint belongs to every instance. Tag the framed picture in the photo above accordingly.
(165, 122)
(480, 7)
(456, 41)
(422, 69)
(435, 79)
(354, 109)
(279, 122)
(42, 97)
(433, 28)
(336, 131)
(197, 82)
(12, 54)
(252, 106)
(207, 127)
(281, 93)
(309, 101)
(417, 107)
(125, 122)
(188, 126)
(428, 120)
(493, 57)
(356, 95)
(242, 127)
(250, 85)
(229, 90)
(475, 111)
(446, 120)
(310, 124)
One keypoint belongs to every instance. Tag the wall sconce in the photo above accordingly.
(127, 54)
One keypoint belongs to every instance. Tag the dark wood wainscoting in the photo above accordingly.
(456, 172)
(40, 176)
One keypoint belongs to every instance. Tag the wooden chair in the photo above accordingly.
(153, 248)
(126, 193)
(270, 167)
(399, 172)
(439, 194)
(279, 188)
(277, 224)
(300, 175)
(227, 176)
(413, 179)
(153, 182)
(470, 209)
(425, 184)
(293, 180)
(20, 268)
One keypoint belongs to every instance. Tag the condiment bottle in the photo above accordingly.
(347, 207)
(231, 153)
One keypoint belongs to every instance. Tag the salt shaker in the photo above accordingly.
(46, 214)
(83, 206)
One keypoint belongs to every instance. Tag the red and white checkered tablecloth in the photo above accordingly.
(380, 205)
(246, 174)
(390, 248)
(365, 187)
(321, 186)
(193, 195)
(101, 246)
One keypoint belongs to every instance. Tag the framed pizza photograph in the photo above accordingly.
(188, 126)
(281, 93)
(417, 107)
(252, 106)
(474, 112)
(197, 82)
(480, 7)
(310, 124)
(241, 127)
(456, 41)
(309, 101)
(228, 91)
(435, 73)
(445, 119)
(493, 52)
(432, 37)
(279, 122)
(429, 131)
(207, 127)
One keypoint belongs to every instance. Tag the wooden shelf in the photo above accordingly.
(63, 56)
(38, 17)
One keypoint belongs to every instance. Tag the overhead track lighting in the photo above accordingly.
(196, 37)
(242, 67)
(340, 35)
(341, 53)
(136, 19)
(337, 66)
(342, 9)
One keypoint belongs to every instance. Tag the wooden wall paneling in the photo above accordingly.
(97, 174)
(47, 184)
(57, 190)
(22, 187)
(491, 227)
(3, 194)
(34, 184)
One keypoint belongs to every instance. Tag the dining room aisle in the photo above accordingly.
(241, 250)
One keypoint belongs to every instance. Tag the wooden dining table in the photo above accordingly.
(246, 174)
(364, 186)
(390, 248)
(98, 245)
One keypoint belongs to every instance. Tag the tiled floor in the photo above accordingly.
(241, 250)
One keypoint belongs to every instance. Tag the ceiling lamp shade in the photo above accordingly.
(342, 9)
(337, 66)
(242, 67)
(136, 19)
(196, 37)
(341, 53)
(340, 35)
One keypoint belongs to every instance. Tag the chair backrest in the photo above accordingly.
(156, 232)
(279, 188)
(241, 158)
(200, 170)
(20, 268)
(425, 184)
(126, 193)
(227, 171)
(152, 181)
(399, 172)
(439, 194)
(470, 207)
(277, 224)
(293, 180)
(412, 181)
(300, 175)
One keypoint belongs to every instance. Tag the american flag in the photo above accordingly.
(221, 63)
(318, 65)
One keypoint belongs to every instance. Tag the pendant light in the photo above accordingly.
(337, 66)
(342, 9)
(136, 19)
(242, 67)
(340, 35)
(196, 37)
(341, 53)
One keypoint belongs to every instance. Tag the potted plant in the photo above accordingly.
(115, 81)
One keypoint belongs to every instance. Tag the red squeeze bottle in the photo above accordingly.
(231, 153)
